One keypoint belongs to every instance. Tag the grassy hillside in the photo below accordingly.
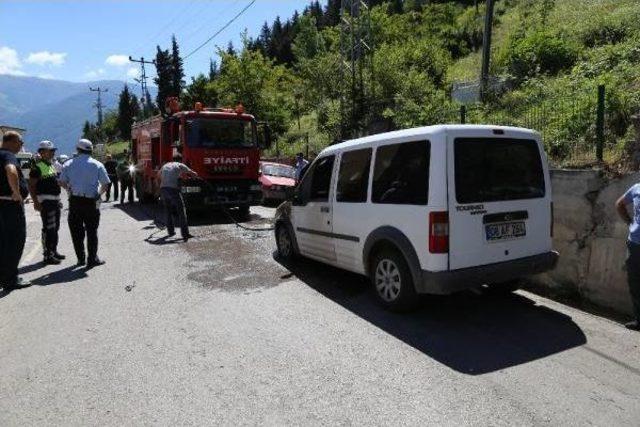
(550, 54)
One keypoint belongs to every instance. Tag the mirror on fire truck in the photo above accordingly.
(264, 136)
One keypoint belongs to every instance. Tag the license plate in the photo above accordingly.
(505, 231)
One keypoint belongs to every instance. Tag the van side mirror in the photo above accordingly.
(296, 199)
(264, 136)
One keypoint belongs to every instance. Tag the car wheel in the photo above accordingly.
(284, 242)
(504, 288)
(392, 281)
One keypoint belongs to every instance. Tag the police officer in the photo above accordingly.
(125, 177)
(111, 166)
(86, 181)
(45, 192)
(13, 227)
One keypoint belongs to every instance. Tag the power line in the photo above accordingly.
(231, 21)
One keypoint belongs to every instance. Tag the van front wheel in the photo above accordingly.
(392, 281)
(284, 243)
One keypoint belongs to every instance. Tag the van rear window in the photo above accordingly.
(497, 169)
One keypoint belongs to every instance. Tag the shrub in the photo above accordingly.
(540, 52)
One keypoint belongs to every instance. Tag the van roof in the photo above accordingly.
(425, 131)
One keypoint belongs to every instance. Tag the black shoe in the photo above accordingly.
(95, 262)
(171, 233)
(51, 260)
(59, 256)
(634, 326)
(187, 237)
(19, 284)
(81, 261)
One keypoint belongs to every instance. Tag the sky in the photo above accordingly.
(88, 40)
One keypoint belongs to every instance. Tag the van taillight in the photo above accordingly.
(439, 232)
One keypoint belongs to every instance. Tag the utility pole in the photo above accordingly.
(98, 103)
(357, 55)
(486, 50)
(144, 97)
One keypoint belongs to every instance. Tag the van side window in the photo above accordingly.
(401, 174)
(321, 179)
(353, 178)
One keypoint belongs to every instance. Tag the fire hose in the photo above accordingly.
(161, 226)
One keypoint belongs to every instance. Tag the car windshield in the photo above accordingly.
(279, 170)
(213, 133)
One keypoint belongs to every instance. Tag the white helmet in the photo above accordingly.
(46, 145)
(84, 145)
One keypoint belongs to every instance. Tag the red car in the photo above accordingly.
(277, 180)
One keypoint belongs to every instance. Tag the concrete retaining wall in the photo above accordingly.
(591, 238)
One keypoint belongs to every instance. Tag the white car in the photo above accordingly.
(430, 210)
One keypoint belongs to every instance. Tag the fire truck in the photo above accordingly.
(221, 144)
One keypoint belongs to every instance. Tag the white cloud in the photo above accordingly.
(133, 73)
(46, 76)
(46, 58)
(117, 60)
(10, 62)
(95, 73)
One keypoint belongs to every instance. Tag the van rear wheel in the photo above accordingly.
(392, 281)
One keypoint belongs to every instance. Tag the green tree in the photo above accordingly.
(86, 130)
(125, 116)
(199, 90)
(177, 69)
(110, 130)
(164, 76)
(262, 87)
(134, 108)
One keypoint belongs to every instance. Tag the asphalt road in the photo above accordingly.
(215, 331)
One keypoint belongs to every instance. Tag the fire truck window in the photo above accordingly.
(210, 133)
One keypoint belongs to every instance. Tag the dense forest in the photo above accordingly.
(547, 59)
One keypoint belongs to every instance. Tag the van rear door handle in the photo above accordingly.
(324, 209)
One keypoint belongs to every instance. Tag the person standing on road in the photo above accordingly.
(172, 200)
(45, 192)
(632, 198)
(126, 178)
(301, 164)
(112, 170)
(86, 180)
(13, 226)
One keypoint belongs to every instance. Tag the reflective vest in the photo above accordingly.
(47, 186)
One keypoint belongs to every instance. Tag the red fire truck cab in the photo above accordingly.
(221, 145)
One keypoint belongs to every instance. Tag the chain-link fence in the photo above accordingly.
(575, 129)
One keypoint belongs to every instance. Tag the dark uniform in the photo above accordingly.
(83, 176)
(13, 228)
(111, 166)
(48, 194)
(126, 181)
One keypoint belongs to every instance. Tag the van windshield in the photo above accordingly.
(497, 169)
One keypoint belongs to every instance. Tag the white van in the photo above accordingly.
(430, 210)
